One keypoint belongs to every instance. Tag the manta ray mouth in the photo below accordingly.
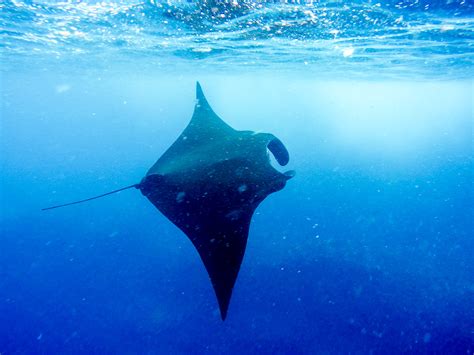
(278, 151)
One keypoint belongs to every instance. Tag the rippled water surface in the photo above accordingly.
(398, 39)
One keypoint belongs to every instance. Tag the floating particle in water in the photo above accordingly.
(358, 291)
(62, 88)
(234, 215)
(427, 337)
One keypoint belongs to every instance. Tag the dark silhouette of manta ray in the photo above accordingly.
(209, 183)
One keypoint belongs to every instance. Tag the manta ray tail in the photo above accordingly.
(91, 198)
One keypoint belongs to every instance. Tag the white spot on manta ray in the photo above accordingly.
(242, 188)
(180, 196)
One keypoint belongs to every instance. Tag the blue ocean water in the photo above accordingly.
(368, 249)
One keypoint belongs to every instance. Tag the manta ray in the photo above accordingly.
(209, 183)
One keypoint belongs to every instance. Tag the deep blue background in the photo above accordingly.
(368, 248)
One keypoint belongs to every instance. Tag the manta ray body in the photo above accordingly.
(209, 183)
